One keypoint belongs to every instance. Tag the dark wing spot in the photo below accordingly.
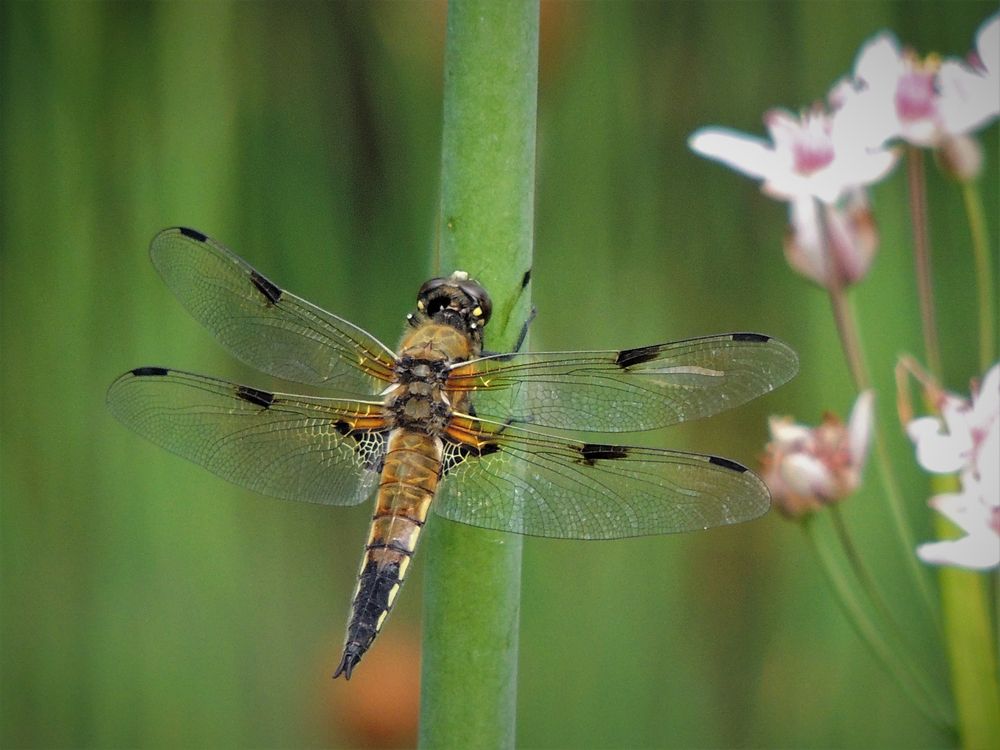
(725, 463)
(487, 449)
(526, 278)
(759, 337)
(342, 428)
(590, 452)
(147, 372)
(630, 357)
(266, 287)
(194, 234)
(255, 396)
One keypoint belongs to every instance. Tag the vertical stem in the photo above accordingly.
(984, 275)
(858, 616)
(850, 341)
(917, 182)
(472, 598)
(970, 644)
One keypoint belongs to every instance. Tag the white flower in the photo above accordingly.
(804, 158)
(893, 93)
(956, 441)
(965, 440)
(808, 467)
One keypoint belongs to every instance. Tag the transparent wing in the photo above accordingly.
(628, 390)
(500, 477)
(316, 450)
(263, 325)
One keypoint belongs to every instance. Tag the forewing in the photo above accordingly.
(628, 390)
(295, 447)
(529, 483)
(265, 326)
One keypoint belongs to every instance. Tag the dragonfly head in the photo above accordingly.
(455, 300)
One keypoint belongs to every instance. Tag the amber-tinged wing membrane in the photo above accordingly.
(263, 325)
(530, 483)
(294, 447)
(628, 390)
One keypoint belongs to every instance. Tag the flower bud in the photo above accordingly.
(809, 467)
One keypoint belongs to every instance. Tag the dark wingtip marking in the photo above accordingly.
(255, 396)
(758, 337)
(725, 463)
(590, 452)
(194, 234)
(526, 278)
(148, 372)
(266, 287)
(630, 357)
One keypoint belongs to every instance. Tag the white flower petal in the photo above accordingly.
(808, 476)
(864, 122)
(968, 100)
(965, 509)
(988, 44)
(987, 403)
(980, 552)
(745, 153)
(859, 428)
(879, 62)
(988, 466)
(936, 452)
(787, 433)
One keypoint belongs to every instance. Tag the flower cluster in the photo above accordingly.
(821, 161)
(965, 440)
(893, 103)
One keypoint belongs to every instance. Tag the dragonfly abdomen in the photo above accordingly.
(409, 480)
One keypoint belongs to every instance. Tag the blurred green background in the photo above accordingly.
(146, 603)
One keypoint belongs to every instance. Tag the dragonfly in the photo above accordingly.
(439, 422)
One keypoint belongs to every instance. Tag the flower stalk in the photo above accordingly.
(917, 184)
(859, 616)
(985, 283)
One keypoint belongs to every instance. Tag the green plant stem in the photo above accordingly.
(904, 663)
(471, 606)
(858, 616)
(972, 652)
(985, 285)
(850, 337)
(917, 182)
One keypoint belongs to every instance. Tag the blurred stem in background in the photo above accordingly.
(984, 273)
(473, 576)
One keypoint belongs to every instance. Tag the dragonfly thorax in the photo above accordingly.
(418, 400)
